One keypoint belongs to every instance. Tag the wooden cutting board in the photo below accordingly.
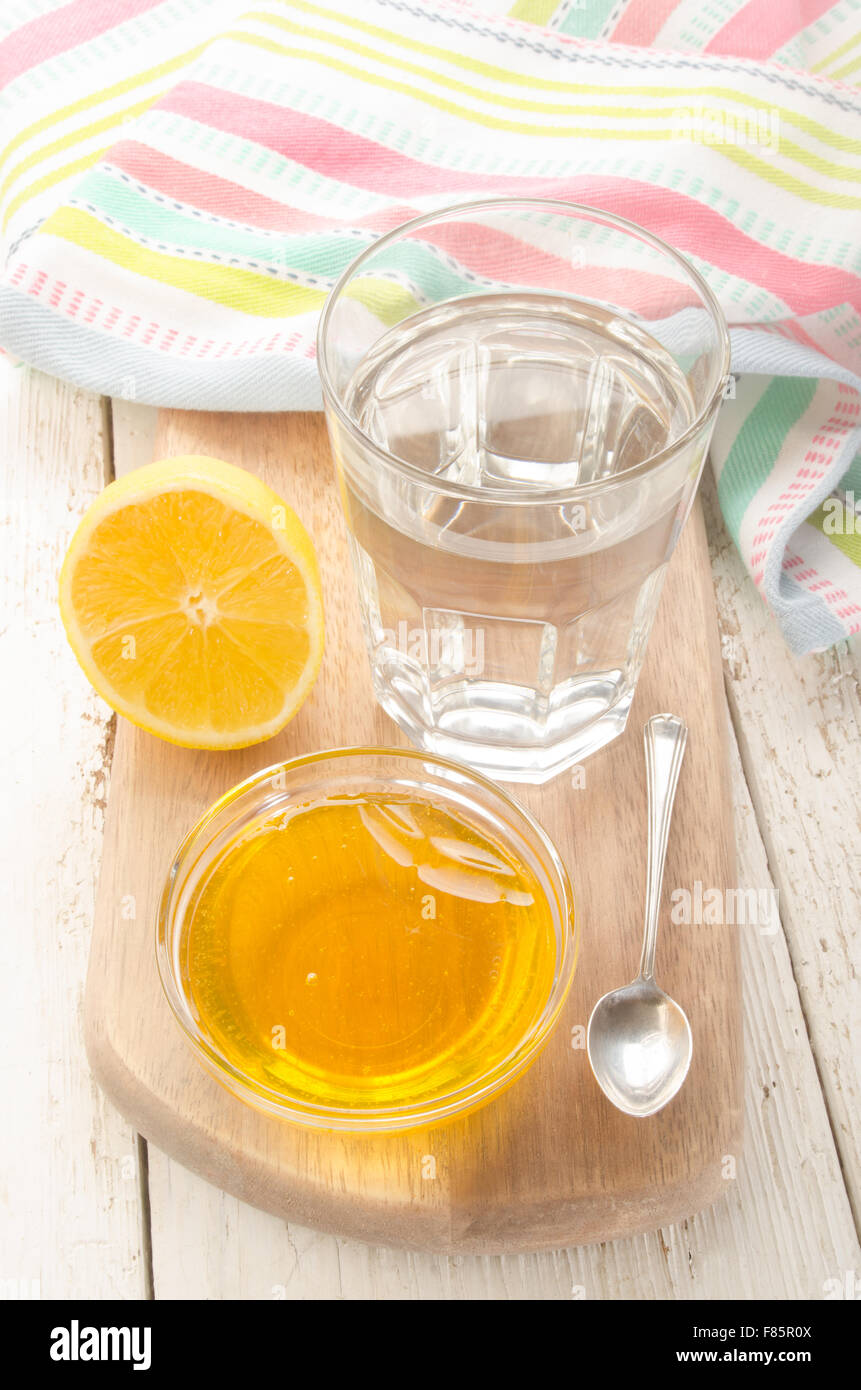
(551, 1163)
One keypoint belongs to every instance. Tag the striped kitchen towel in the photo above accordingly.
(182, 180)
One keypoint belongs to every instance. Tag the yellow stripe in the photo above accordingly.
(839, 73)
(743, 158)
(388, 302)
(787, 147)
(739, 156)
(105, 94)
(812, 161)
(77, 166)
(534, 11)
(838, 53)
(244, 290)
(848, 540)
(439, 103)
(788, 182)
(820, 132)
(74, 137)
(236, 289)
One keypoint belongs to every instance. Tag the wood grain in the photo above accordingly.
(72, 1196)
(551, 1163)
(798, 723)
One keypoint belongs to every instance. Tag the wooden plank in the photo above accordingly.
(784, 1229)
(517, 1175)
(798, 722)
(755, 1244)
(71, 1199)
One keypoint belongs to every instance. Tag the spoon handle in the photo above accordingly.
(665, 736)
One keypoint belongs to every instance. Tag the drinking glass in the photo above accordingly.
(520, 396)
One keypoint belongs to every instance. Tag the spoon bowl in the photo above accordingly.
(640, 1047)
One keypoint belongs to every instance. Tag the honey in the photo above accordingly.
(367, 951)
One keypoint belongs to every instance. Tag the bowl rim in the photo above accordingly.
(376, 1119)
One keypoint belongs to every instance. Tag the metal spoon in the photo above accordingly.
(639, 1039)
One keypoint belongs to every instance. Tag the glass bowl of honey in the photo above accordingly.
(367, 939)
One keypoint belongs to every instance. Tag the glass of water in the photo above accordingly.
(520, 395)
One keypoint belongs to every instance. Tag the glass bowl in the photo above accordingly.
(344, 777)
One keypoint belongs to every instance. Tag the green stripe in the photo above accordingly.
(587, 21)
(239, 289)
(851, 480)
(322, 255)
(758, 443)
(847, 539)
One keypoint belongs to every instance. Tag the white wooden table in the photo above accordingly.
(88, 1210)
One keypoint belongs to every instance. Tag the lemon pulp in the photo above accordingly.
(190, 595)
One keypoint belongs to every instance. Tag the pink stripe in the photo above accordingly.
(642, 21)
(363, 163)
(114, 320)
(209, 193)
(761, 27)
(200, 189)
(691, 227)
(320, 145)
(59, 30)
(499, 256)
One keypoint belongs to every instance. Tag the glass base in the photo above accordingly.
(503, 747)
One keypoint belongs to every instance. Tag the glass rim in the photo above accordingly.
(528, 494)
(372, 1119)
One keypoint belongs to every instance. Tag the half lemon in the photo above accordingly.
(190, 595)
